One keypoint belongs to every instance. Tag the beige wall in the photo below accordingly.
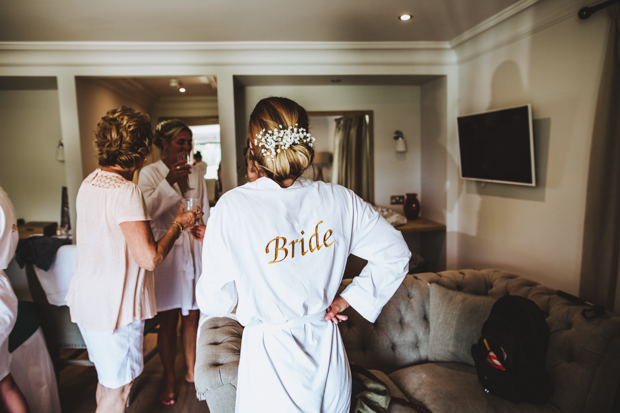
(534, 232)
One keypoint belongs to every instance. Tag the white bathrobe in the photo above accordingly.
(30, 363)
(9, 238)
(280, 253)
(176, 276)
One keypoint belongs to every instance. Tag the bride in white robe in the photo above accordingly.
(277, 248)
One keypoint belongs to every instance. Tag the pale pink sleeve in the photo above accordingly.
(129, 205)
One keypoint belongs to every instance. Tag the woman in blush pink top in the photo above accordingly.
(112, 290)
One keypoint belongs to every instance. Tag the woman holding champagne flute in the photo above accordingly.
(165, 185)
(112, 289)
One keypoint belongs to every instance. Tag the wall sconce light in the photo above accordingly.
(401, 145)
(60, 151)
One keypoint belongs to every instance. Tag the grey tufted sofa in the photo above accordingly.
(583, 358)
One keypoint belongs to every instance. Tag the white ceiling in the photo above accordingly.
(242, 20)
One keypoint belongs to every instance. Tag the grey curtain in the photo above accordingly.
(352, 155)
(600, 270)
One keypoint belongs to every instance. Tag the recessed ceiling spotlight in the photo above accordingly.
(405, 17)
(182, 89)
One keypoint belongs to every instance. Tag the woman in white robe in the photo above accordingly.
(11, 397)
(164, 184)
(277, 248)
(198, 162)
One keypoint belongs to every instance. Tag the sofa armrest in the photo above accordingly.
(217, 361)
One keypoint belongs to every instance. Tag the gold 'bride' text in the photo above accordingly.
(281, 249)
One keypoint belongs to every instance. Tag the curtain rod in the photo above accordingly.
(586, 12)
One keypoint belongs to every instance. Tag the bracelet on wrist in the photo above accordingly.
(179, 225)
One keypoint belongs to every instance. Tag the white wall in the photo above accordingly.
(534, 232)
(394, 108)
(29, 172)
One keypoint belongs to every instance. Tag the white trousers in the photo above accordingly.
(118, 356)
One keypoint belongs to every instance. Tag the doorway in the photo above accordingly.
(344, 154)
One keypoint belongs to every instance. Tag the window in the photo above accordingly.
(207, 141)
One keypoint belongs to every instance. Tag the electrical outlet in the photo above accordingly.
(397, 200)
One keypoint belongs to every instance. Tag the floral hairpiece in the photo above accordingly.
(274, 141)
(160, 124)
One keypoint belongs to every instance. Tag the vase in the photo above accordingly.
(411, 206)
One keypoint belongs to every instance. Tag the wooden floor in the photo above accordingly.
(77, 388)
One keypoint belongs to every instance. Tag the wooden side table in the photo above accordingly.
(421, 225)
(428, 238)
(432, 247)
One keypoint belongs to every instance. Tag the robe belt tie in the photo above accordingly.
(320, 316)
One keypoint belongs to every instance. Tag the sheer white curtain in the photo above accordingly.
(600, 269)
(352, 155)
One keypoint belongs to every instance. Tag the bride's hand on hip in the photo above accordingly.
(332, 313)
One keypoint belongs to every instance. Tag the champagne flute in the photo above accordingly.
(183, 156)
(189, 204)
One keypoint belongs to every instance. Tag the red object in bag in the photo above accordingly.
(494, 362)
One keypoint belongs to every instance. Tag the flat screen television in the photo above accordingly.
(498, 146)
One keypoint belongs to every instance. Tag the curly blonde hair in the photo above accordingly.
(273, 113)
(167, 130)
(123, 137)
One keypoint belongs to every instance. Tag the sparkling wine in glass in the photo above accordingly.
(189, 204)
(184, 156)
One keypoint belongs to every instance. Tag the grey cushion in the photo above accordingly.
(456, 320)
(454, 388)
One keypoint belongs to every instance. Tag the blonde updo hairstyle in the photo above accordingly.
(123, 137)
(279, 113)
(167, 130)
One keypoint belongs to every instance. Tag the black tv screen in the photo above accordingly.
(498, 146)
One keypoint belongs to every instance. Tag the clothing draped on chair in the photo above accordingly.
(600, 269)
(352, 155)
